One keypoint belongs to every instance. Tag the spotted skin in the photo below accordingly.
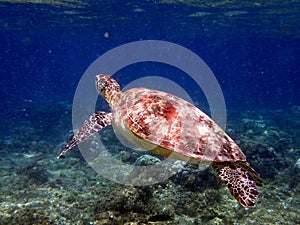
(169, 126)
(93, 124)
(240, 179)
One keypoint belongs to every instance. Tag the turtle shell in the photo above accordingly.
(170, 126)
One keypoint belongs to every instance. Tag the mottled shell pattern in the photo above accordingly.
(175, 125)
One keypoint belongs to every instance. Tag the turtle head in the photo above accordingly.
(108, 88)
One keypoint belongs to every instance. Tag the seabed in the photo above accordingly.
(37, 188)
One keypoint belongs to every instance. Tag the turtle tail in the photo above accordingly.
(241, 180)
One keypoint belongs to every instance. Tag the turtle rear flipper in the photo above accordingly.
(240, 179)
(93, 124)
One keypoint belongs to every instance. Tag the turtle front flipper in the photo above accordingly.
(241, 180)
(93, 124)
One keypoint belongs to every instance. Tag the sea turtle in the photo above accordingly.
(170, 126)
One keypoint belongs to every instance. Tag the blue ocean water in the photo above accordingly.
(252, 50)
(251, 47)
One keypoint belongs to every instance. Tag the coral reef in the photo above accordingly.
(39, 189)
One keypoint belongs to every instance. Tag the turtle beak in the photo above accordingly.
(108, 88)
(101, 83)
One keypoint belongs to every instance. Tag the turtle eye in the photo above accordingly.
(100, 88)
(102, 81)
